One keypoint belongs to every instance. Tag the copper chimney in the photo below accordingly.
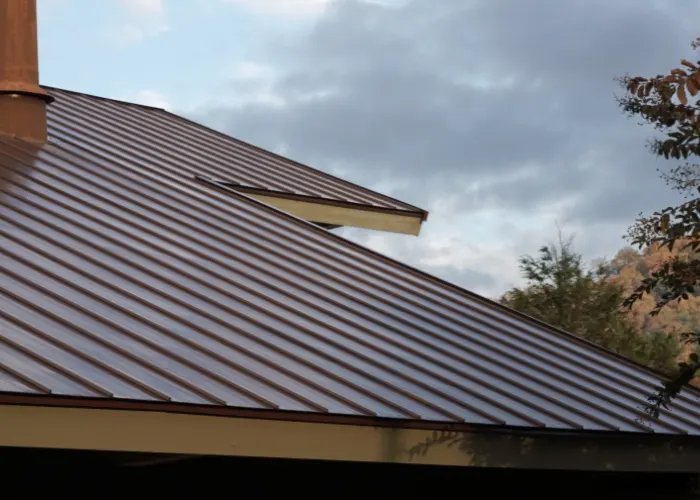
(22, 101)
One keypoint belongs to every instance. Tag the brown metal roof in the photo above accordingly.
(134, 131)
(122, 277)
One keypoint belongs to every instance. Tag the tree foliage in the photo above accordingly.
(630, 268)
(561, 291)
(670, 103)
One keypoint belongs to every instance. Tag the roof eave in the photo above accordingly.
(78, 423)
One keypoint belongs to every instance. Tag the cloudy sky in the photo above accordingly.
(498, 116)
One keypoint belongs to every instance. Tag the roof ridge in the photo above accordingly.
(101, 98)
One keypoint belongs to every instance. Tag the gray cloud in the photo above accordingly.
(505, 103)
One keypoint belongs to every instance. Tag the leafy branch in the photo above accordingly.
(671, 104)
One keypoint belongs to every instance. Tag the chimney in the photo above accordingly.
(22, 101)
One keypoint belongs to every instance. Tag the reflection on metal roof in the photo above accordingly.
(123, 278)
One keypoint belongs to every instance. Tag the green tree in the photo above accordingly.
(670, 103)
(561, 291)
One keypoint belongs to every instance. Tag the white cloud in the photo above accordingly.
(254, 85)
(299, 7)
(143, 19)
(150, 98)
(145, 7)
(479, 250)
(283, 6)
(135, 32)
(250, 70)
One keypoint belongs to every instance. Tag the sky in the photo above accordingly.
(497, 116)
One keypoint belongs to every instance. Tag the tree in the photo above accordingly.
(562, 292)
(670, 103)
(631, 268)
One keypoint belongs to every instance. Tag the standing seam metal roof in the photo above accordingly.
(123, 277)
(165, 136)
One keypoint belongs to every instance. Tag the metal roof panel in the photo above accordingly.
(123, 277)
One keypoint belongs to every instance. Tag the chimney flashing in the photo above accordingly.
(19, 89)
